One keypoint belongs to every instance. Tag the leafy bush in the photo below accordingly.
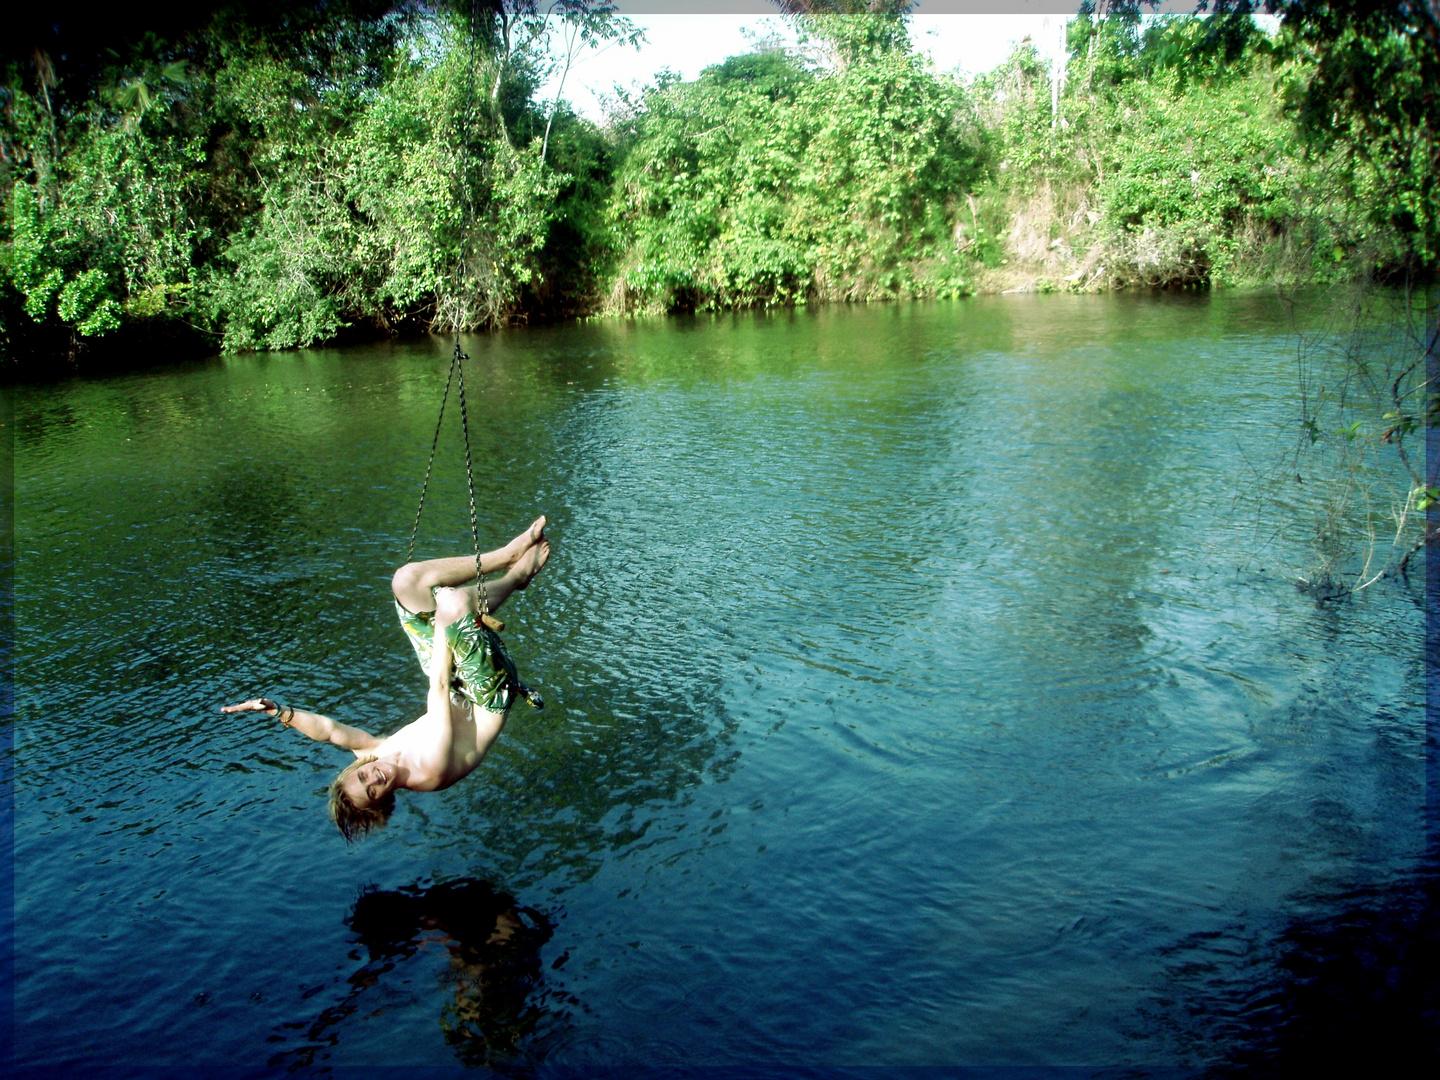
(282, 178)
(767, 181)
(281, 181)
(1173, 159)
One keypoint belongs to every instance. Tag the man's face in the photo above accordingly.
(370, 783)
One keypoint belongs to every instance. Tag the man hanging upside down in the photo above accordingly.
(472, 685)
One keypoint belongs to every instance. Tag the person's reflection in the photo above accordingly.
(494, 958)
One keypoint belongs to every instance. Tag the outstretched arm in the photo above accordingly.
(320, 728)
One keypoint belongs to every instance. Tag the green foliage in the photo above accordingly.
(281, 176)
(103, 230)
(364, 215)
(1017, 116)
(86, 305)
(279, 180)
(1170, 158)
(1122, 47)
(852, 38)
(1364, 93)
(767, 182)
(581, 248)
(30, 257)
(1209, 173)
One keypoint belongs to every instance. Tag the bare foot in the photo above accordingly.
(511, 552)
(530, 563)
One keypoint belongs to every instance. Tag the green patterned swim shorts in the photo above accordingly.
(482, 671)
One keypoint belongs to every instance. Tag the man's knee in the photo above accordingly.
(407, 579)
(452, 604)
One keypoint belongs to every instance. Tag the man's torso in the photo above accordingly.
(421, 746)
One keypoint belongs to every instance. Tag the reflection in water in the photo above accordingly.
(493, 974)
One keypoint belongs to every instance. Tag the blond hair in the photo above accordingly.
(356, 821)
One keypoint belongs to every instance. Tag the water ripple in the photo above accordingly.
(907, 705)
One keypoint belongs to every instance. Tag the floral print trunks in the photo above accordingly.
(482, 672)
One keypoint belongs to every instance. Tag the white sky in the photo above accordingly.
(690, 35)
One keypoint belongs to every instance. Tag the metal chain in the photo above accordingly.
(457, 366)
(460, 357)
(470, 481)
(434, 443)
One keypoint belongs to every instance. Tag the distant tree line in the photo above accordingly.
(271, 175)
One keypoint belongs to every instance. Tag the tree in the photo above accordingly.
(1373, 89)
(584, 26)
(768, 181)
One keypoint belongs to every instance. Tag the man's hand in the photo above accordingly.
(320, 728)
(264, 705)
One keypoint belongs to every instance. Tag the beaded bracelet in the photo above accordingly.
(280, 710)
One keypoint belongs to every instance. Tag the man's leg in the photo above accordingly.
(413, 581)
(461, 601)
(519, 576)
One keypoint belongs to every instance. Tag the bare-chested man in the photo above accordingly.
(472, 685)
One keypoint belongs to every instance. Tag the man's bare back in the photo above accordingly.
(452, 737)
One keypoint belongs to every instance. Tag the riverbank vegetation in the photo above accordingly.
(1190, 152)
(271, 176)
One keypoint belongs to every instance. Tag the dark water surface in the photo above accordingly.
(924, 687)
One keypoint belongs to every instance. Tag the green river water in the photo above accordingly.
(927, 685)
